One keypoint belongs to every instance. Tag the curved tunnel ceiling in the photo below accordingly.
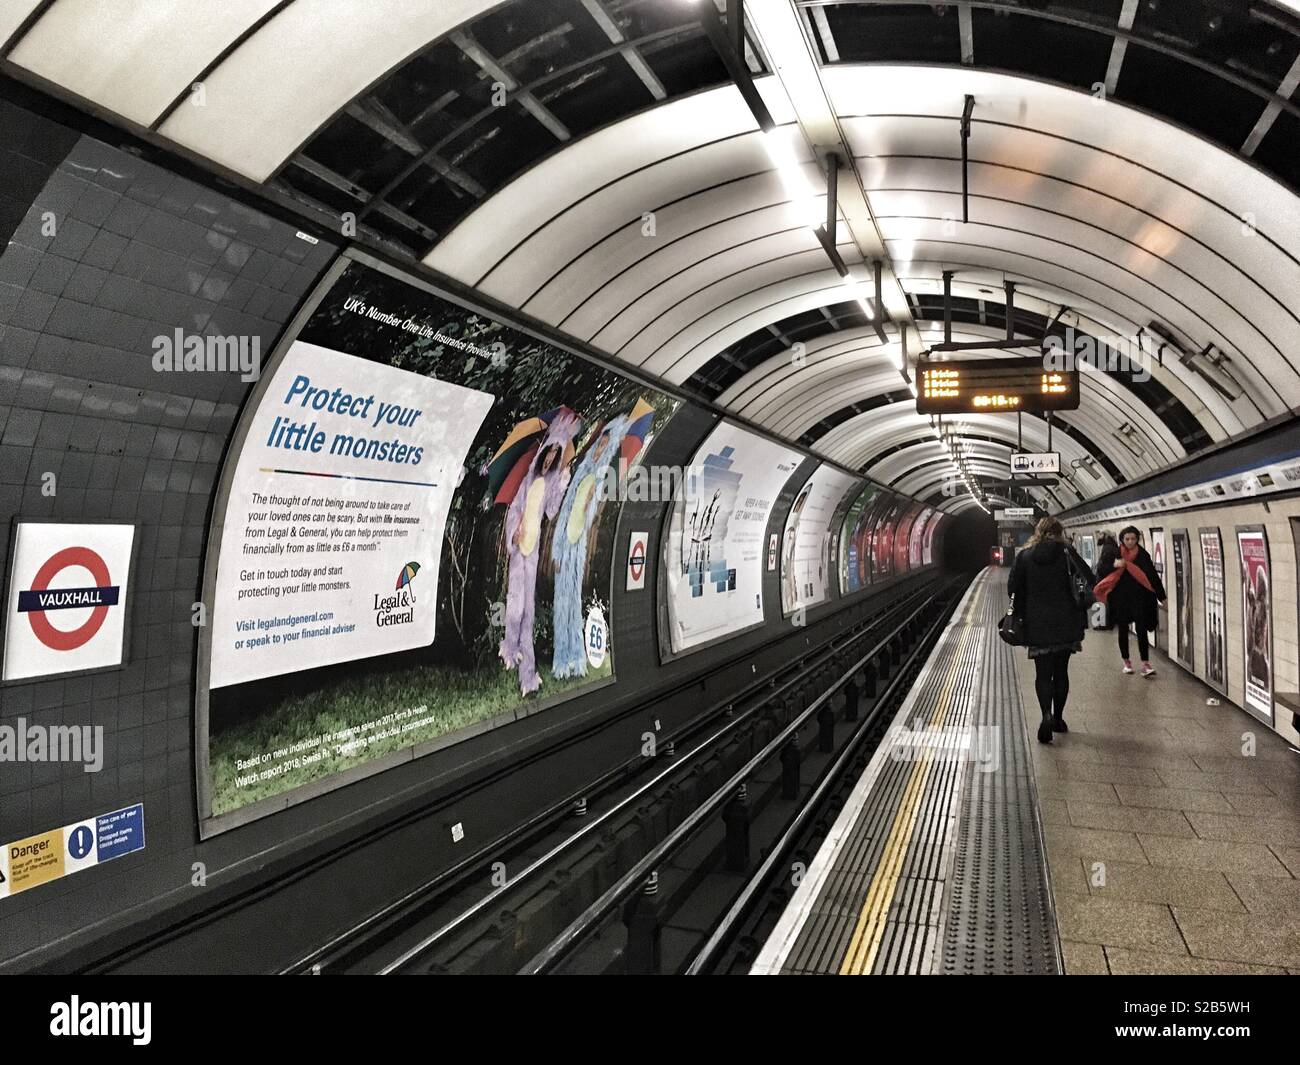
(588, 162)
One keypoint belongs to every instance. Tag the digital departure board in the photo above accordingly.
(993, 386)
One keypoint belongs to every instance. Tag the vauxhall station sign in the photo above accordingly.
(66, 602)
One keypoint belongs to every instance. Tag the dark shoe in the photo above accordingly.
(1045, 729)
(1059, 725)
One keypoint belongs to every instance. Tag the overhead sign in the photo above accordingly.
(1036, 462)
(992, 386)
(28, 863)
(67, 598)
(1014, 514)
(636, 555)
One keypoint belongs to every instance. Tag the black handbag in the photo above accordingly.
(1080, 584)
(1011, 626)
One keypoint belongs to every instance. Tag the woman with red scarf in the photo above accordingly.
(1127, 582)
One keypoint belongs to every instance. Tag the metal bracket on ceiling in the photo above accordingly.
(1213, 360)
(983, 345)
(1089, 466)
(826, 234)
(730, 47)
(1127, 435)
(879, 320)
(965, 138)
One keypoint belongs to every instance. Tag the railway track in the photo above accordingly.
(502, 908)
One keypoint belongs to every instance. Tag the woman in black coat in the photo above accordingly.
(1042, 595)
(1130, 598)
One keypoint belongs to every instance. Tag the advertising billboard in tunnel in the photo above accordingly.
(903, 538)
(855, 541)
(806, 543)
(882, 552)
(933, 538)
(916, 541)
(413, 541)
(1216, 663)
(1256, 619)
(1184, 647)
(716, 546)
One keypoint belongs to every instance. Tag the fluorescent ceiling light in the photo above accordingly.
(790, 169)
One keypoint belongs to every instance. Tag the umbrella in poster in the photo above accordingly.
(510, 463)
(406, 576)
(639, 419)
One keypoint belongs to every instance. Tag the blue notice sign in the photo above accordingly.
(120, 832)
(80, 842)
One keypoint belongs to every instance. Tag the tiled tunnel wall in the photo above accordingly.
(137, 252)
(105, 252)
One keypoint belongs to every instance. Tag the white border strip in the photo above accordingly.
(799, 910)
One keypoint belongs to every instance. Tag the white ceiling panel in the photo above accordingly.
(135, 59)
(587, 293)
(270, 95)
(608, 155)
(648, 320)
(702, 325)
(13, 13)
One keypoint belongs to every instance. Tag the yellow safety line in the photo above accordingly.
(870, 928)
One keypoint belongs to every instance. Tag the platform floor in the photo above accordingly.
(1169, 849)
(937, 861)
(1160, 835)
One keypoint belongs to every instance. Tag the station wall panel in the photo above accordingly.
(138, 252)
(107, 253)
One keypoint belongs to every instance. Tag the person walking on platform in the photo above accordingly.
(1127, 582)
(1042, 592)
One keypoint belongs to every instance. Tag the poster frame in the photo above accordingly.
(1181, 590)
(1246, 704)
(209, 824)
(1220, 687)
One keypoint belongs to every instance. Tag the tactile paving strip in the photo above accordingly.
(872, 900)
(999, 917)
(936, 862)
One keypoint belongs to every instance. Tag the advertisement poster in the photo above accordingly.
(931, 529)
(414, 539)
(715, 544)
(903, 539)
(1257, 620)
(882, 552)
(916, 549)
(310, 574)
(1156, 545)
(1088, 549)
(67, 599)
(806, 542)
(855, 541)
(1216, 667)
(1184, 645)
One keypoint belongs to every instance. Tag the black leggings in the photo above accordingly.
(1144, 643)
(1052, 681)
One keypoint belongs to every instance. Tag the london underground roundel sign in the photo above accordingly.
(41, 598)
(66, 602)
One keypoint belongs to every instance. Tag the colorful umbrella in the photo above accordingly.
(510, 463)
(640, 418)
(406, 576)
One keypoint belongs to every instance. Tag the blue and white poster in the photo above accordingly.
(715, 547)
